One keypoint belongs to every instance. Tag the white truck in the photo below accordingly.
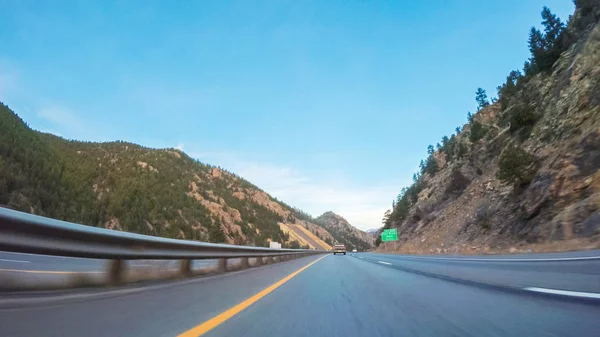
(339, 249)
(275, 245)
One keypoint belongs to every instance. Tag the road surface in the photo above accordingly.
(577, 271)
(334, 296)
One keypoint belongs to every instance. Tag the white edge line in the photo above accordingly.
(385, 263)
(564, 292)
(56, 272)
(582, 258)
(15, 261)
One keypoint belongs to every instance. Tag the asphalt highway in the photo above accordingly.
(351, 295)
(576, 271)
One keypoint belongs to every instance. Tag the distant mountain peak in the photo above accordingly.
(344, 232)
(373, 230)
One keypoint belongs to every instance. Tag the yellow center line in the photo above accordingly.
(222, 317)
(50, 271)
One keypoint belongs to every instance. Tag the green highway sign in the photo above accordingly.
(389, 235)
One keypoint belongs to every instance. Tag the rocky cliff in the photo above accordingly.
(523, 174)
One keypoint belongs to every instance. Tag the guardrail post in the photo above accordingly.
(270, 260)
(244, 263)
(259, 261)
(222, 265)
(185, 268)
(115, 271)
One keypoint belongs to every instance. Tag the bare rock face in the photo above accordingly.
(458, 182)
(587, 159)
(537, 194)
(590, 226)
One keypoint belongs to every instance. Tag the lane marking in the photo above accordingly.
(46, 256)
(389, 264)
(49, 271)
(564, 292)
(224, 316)
(15, 261)
(557, 259)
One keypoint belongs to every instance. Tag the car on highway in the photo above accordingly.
(339, 249)
(354, 250)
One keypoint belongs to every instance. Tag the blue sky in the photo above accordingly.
(327, 105)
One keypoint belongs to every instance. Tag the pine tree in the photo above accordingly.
(481, 99)
(444, 141)
(553, 27)
(536, 45)
(430, 150)
(216, 233)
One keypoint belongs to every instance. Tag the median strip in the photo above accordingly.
(224, 316)
(577, 294)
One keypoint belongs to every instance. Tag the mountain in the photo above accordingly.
(373, 231)
(124, 186)
(344, 232)
(523, 174)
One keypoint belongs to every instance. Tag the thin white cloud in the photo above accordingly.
(56, 133)
(362, 206)
(179, 146)
(65, 121)
(8, 79)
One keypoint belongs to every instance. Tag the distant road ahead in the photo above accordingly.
(336, 296)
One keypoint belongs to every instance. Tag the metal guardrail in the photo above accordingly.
(28, 233)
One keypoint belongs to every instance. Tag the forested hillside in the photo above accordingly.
(128, 187)
(522, 174)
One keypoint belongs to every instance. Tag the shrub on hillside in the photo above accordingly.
(461, 150)
(478, 131)
(217, 235)
(484, 214)
(522, 119)
(431, 166)
(516, 166)
(458, 183)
